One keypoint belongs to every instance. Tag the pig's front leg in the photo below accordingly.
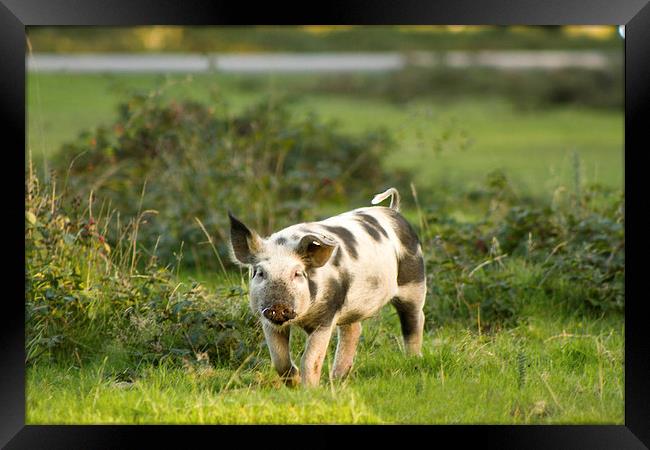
(346, 348)
(312, 359)
(277, 341)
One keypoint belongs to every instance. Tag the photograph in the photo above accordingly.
(325, 224)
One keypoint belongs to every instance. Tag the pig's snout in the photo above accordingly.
(279, 313)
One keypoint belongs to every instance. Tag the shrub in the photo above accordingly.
(84, 296)
(570, 254)
(188, 160)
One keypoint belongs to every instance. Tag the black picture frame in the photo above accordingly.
(15, 15)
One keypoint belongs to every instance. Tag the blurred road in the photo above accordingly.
(310, 62)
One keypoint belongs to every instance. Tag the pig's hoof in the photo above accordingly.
(292, 379)
(310, 383)
(338, 375)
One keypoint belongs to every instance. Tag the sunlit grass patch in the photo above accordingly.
(564, 372)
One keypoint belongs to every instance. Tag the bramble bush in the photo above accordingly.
(85, 297)
(569, 254)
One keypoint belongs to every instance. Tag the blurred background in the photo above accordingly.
(323, 116)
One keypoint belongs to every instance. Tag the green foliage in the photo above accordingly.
(85, 297)
(186, 161)
(569, 254)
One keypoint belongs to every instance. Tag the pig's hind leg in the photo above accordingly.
(409, 303)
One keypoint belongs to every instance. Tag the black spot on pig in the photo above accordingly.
(408, 316)
(351, 317)
(373, 281)
(405, 232)
(337, 291)
(336, 259)
(374, 223)
(281, 241)
(410, 269)
(347, 237)
(313, 289)
(370, 230)
(333, 298)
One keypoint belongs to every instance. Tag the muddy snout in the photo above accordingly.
(279, 313)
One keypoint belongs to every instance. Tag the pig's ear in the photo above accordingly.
(316, 250)
(246, 244)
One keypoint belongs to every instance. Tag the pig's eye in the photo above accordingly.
(259, 273)
(299, 274)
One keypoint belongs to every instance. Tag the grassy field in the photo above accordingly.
(549, 370)
(460, 141)
(554, 363)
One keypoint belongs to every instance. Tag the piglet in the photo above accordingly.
(333, 274)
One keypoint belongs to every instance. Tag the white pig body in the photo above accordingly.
(333, 273)
(370, 266)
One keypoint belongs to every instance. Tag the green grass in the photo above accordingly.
(473, 137)
(547, 370)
